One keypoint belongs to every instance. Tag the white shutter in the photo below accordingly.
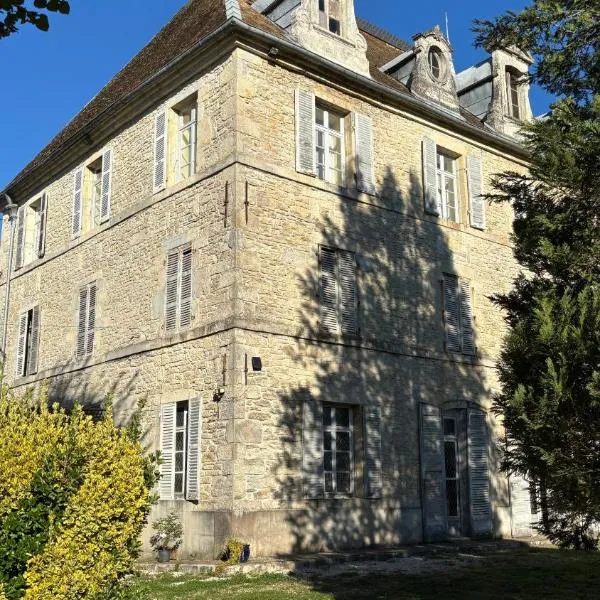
(363, 133)
(171, 292)
(476, 199)
(452, 313)
(432, 474)
(91, 320)
(430, 187)
(160, 151)
(41, 238)
(82, 322)
(20, 238)
(185, 291)
(34, 340)
(106, 185)
(77, 202)
(479, 482)
(347, 292)
(166, 485)
(21, 345)
(193, 133)
(373, 451)
(466, 317)
(312, 449)
(193, 461)
(522, 515)
(305, 132)
(328, 292)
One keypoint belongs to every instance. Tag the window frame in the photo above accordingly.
(442, 177)
(453, 439)
(26, 369)
(184, 429)
(93, 193)
(333, 429)
(326, 20)
(187, 107)
(513, 96)
(327, 133)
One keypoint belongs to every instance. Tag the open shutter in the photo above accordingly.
(185, 294)
(91, 320)
(479, 481)
(20, 238)
(34, 340)
(347, 290)
(193, 133)
(193, 461)
(430, 188)
(77, 202)
(373, 451)
(305, 132)
(522, 514)
(21, 345)
(312, 449)
(363, 133)
(41, 237)
(82, 322)
(477, 201)
(106, 185)
(166, 484)
(452, 313)
(432, 474)
(160, 151)
(466, 317)
(328, 293)
(172, 291)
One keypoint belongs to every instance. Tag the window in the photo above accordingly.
(178, 301)
(94, 192)
(31, 231)
(186, 142)
(86, 323)
(451, 470)
(436, 63)
(512, 91)
(338, 450)
(28, 342)
(181, 431)
(446, 186)
(330, 16)
(338, 293)
(458, 315)
(329, 135)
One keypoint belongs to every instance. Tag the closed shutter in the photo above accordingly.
(476, 199)
(363, 132)
(106, 185)
(20, 238)
(172, 291)
(185, 294)
(77, 202)
(432, 474)
(160, 151)
(82, 322)
(166, 484)
(193, 461)
(34, 341)
(328, 290)
(466, 318)
(479, 482)
(21, 345)
(430, 187)
(91, 320)
(305, 132)
(312, 449)
(452, 313)
(41, 238)
(347, 291)
(373, 451)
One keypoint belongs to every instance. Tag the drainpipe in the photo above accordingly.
(11, 209)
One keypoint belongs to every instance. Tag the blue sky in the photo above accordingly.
(48, 77)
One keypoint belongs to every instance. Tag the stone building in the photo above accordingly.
(269, 225)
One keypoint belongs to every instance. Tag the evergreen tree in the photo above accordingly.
(550, 362)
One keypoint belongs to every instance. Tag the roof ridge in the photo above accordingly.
(233, 10)
(382, 34)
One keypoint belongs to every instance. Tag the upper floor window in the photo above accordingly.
(178, 300)
(436, 63)
(186, 142)
(458, 315)
(330, 16)
(86, 321)
(512, 90)
(31, 231)
(28, 342)
(446, 186)
(329, 136)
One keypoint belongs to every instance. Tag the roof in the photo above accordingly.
(195, 21)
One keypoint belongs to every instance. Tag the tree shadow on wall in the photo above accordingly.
(397, 361)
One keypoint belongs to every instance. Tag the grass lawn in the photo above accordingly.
(523, 575)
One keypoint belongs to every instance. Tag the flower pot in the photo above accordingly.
(164, 556)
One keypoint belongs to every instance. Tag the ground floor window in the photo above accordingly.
(338, 450)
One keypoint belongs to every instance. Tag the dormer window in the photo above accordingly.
(330, 16)
(512, 91)
(436, 63)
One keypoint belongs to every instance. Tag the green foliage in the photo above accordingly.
(550, 363)
(169, 533)
(74, 496)
(230, 555)
(16, 12)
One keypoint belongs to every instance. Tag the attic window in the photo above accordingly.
(329, 16)
(436, 63)
(512, 90)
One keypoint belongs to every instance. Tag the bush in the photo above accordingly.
(74, 497)
(169, 533)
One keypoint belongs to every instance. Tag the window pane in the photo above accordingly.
(320, 116)
(327, 416)
(448, 165)
(329, 482)
(334, 26)
(179, 483)
(343, 483)
(342, 461)
(179, 441)
(180, 417)
(449, 427)
(178, 461)
(328, 461)
(452, 497)
(335, 122)
(342, 417)
(450, 454)
(327, 439)
(342, 441)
